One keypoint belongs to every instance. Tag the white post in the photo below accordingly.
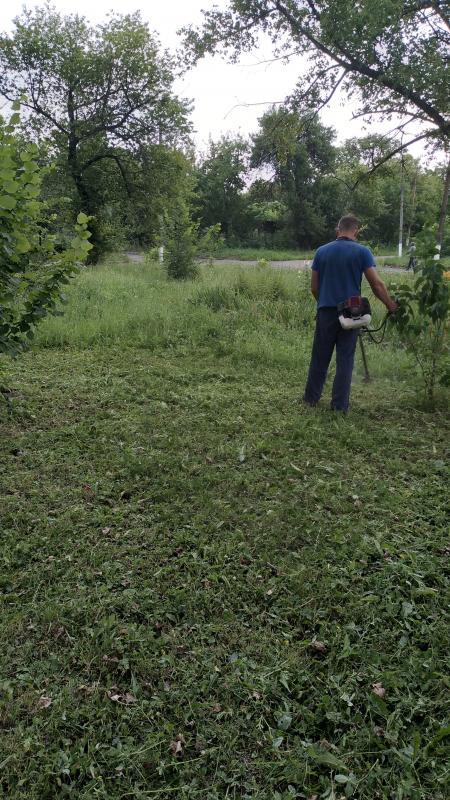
(161, 255)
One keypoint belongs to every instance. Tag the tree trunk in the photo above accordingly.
(444, 204)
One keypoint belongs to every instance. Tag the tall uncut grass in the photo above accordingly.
(243, 312)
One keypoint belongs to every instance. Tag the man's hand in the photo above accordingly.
(392, 307)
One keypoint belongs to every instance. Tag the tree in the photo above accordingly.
(375, 196)
(220, 181)
(32, 271)
(391, 56)
(300, 152)
(97, 93)
(180, 242)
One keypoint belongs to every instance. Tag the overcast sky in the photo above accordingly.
(219, 90)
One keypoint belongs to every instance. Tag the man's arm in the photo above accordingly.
(315, 283)
(379, 289)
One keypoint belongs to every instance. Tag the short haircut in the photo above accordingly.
(348, 223)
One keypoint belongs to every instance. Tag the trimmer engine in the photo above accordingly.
(354, 313)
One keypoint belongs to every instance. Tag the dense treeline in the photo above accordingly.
(287, 186)
(100, 105)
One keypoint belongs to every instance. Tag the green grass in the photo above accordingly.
(255, 254)
(396, 261)
(177, 534)
(384, 255)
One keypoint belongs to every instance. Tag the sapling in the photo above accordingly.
(422, 318)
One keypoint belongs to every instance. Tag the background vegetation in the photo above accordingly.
(118, 139)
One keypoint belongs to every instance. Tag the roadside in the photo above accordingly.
(291, 264)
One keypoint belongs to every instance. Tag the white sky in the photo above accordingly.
(219, 90)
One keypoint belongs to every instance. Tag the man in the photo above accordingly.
(412, 256)
(337, 271)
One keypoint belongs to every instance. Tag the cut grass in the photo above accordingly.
(177, 533)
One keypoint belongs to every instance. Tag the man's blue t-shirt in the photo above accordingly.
(341, 265)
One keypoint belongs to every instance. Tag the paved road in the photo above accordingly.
(297, 264)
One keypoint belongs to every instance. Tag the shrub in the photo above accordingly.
(32, 270)
(209, 242)
(422, 318)
(180, 250)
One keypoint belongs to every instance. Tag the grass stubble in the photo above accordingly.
(208, 590)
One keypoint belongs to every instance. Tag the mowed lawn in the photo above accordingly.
(209, 591)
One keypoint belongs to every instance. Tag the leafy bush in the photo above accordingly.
(180, 250)
(422, 318)
(31, 270)
(209, 242)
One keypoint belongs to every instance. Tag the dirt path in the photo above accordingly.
(295, 264)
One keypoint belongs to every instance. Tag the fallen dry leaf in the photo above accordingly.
(326, 745)
(126, 699)
(45, 702)
(106, 531)
(177, 747)
(378, 689)
(129, 699)
(87, 690)
(216, 709)
(56, 631)
(318, 647)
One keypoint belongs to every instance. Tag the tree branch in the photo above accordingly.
(353, 64)
(112, 157)
(399, 149)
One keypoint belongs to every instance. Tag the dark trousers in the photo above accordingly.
(327, 336)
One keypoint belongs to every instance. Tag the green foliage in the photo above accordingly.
(209, 242)
(180, 242)
(103, 98)
(254, 253)
(392, 56)
(32, 271)
(220, 181)
(423, 316)
(301, 156)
